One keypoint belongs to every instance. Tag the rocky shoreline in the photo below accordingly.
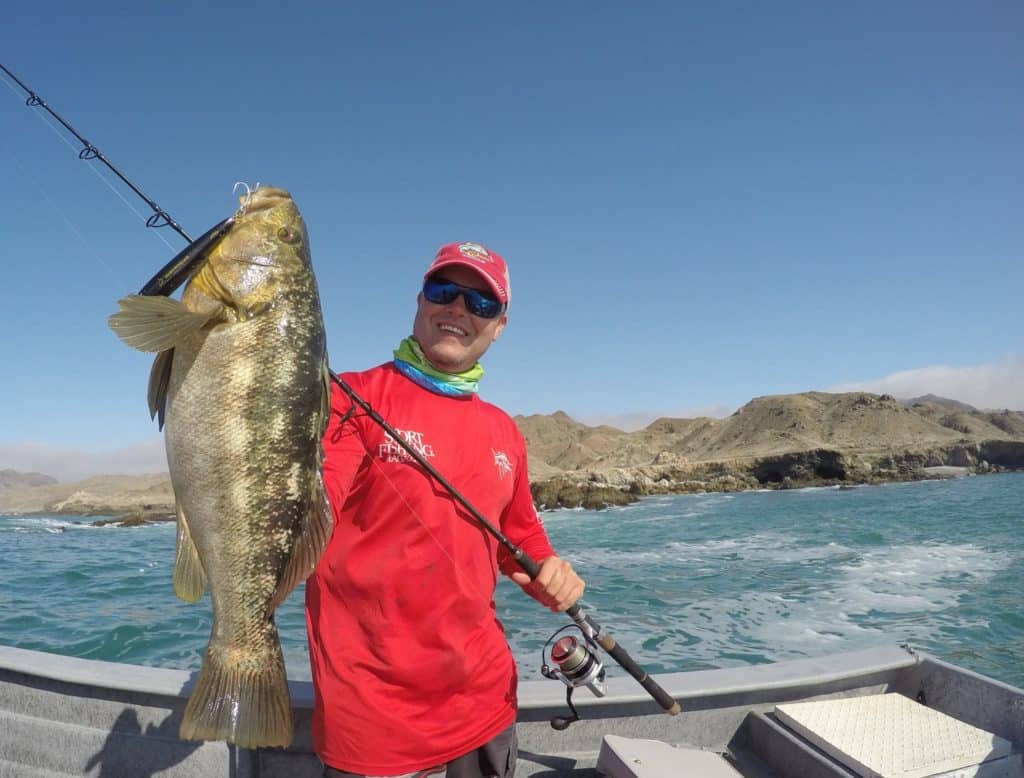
(112, 499)
(113, 517)
(595, 490)
(776, 442)
(773, 442)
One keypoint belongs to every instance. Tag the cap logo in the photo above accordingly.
(474, 251)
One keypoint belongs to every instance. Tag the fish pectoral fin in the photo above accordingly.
(159, 379)
(154, 323)
(189, 576)
(309, 545)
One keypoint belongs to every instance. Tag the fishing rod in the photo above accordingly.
(574, 664)
(159, 218)
(576, 668)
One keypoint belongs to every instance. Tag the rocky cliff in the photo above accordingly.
(814, 438)
(138, 497)
(781, 441)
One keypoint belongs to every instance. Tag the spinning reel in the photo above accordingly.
(574, 662)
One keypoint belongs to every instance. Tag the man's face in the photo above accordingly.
(451, 337)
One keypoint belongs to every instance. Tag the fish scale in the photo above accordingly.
(241, 383)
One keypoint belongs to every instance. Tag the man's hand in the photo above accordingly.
(557, 586)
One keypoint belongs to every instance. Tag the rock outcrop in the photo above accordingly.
(778, 442)
(783, 441)
(140, 496)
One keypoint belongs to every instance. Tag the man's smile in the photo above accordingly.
(452, 328)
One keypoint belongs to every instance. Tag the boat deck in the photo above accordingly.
(71, 717)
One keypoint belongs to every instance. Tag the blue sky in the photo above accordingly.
(700, 203)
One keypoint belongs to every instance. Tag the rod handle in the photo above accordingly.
(620, 655)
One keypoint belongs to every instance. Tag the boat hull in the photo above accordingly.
(66, 716)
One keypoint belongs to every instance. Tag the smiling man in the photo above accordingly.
(412, 673)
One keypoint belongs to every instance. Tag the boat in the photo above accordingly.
(63, 716)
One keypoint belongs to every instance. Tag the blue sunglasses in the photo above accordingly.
(441, 291)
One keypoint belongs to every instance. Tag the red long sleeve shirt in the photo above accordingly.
(410, 663)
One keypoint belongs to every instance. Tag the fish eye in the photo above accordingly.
(288, 235)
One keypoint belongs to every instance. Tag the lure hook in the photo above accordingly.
(248, 194)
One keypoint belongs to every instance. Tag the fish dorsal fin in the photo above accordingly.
(159, 379)
(150, 323)
(309, 545)
(189, 577)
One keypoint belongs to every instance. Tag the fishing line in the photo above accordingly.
(401, 496)
(590, 628)
(175, 273)
(415, 514)
(64, 217)
(159, 218)
(92, 168)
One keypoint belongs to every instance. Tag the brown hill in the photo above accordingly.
(854, 422)
(1010, 422)
(808, 438)
(562, 443)
(935, 399)
(781, 440)
(12, 479)
(99, 495)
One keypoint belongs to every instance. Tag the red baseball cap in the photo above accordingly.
(479, 258)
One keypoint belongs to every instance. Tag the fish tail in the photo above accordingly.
(242, 699)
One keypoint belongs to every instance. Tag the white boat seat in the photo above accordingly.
(625, 757)
(891, 735)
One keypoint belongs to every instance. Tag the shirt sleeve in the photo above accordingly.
(520, 522)
(344, 449)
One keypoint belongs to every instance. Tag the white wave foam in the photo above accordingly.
(926, 577)
(854, 598)
(36, 524)
(760, 548)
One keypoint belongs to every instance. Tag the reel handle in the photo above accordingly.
(606, 641)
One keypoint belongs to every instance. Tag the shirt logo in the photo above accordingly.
(391, 451)
(501, 462)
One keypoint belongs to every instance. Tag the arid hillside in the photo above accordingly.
(855, 422)
(10, 479)
(782, 440)
(146, 496)
(777, 441)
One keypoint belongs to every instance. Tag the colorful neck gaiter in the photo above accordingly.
(410, 362)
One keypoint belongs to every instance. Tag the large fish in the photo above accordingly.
(241, 386)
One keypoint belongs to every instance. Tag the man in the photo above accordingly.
(412, 672)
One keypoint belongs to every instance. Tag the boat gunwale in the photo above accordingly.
(534, 694)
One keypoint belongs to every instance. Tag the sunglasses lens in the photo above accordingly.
(441, 292)
(482, 305)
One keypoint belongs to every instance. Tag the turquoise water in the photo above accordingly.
(684, 583)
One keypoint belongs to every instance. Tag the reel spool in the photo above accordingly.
(574, 662)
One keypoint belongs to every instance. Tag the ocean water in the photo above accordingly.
(684, 583)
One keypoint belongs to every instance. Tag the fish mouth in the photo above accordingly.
(264, 198)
